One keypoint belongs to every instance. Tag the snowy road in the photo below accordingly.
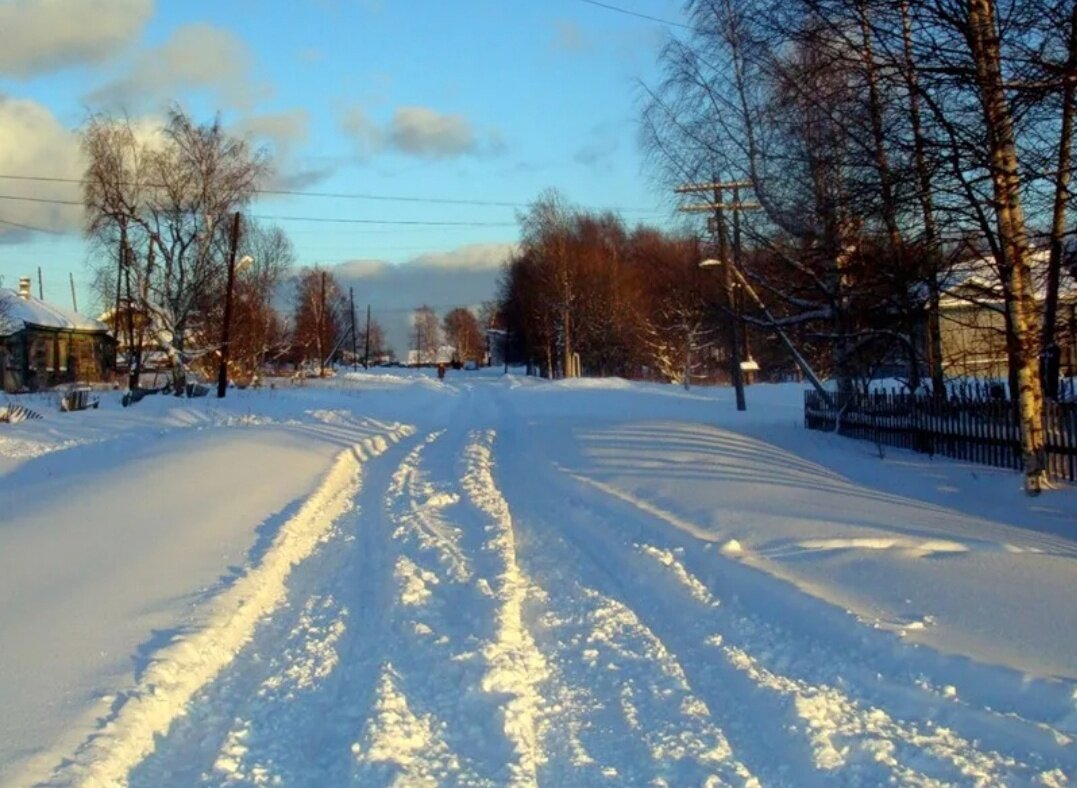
(496, 596)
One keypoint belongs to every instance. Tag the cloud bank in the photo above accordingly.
(33, 141)
(418, 131)
(195, 57)
(40, 36)
(463, 277)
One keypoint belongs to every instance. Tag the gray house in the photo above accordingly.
(42, 345)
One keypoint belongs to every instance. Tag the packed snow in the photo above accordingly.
(380, 579)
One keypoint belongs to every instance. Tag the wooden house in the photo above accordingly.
(43, 345)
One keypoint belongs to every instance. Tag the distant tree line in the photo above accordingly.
(584, 293)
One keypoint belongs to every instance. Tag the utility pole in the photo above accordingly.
(74, 301)
(40, 285)
(366, 340)
(746, 353)
(355, 339)
(134, 374)
(222, 372)
(321, 332)
(418, 342)
(800, 361)
(717, 227)
(120, 260)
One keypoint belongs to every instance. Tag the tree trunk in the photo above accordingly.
(927, 208)
(567, 367)
(1005, 176)
(1061, 203)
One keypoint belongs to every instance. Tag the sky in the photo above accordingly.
(490, 101)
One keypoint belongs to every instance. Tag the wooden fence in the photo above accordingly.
(974, 422)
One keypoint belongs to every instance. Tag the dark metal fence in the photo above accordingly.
(975, 422)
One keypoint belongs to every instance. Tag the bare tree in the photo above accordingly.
(426, 334)
(157, 204)
(320, 308)
(374, 339)
(462, 331)
(886, 142)
(258, 331)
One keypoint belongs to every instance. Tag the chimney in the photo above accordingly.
(24, 287)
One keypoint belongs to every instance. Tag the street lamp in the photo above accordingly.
(800, 361)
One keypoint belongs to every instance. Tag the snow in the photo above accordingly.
(383, 579)
(17, 311)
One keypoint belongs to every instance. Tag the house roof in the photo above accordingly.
(17, 312)
(976, 280)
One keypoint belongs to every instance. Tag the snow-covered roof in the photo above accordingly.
(17, 312)
(976, 280)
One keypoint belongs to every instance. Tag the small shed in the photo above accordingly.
(43, 345)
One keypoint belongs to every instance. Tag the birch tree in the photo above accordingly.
(165, 195)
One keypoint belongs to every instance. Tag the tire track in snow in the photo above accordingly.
(515, 666)
(254, 734)
(624, 706)
(627, 711)
(427, 659)
(309, 656)
(190, 662)
(456, 696)
(848, 736)
(1028, 711)
(400, 747)
(419, 506)
(841, 730)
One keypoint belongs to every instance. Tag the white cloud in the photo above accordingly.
(195, 57)
(281, 129)
(283, 133)
(466, 276)
(34, 142)
(473, 257)
(423, 132)
(418, 131)
(38, 36)
(365, 134)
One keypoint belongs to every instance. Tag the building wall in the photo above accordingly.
(34, 359)
(974, 341)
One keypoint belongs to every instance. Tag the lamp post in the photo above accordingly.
(800, 361)
(233, 268)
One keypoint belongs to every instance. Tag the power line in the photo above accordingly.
(30, 227)
(332, 195)
(321, 219)
(18, 198)
(637, 14)
(404, 222)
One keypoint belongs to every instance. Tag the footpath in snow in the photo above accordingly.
(503, 581)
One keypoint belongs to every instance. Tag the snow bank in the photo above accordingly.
(183, 667)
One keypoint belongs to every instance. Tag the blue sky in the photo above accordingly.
(473, 99)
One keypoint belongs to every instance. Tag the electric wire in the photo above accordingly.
(637, 14)
(336, 195)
